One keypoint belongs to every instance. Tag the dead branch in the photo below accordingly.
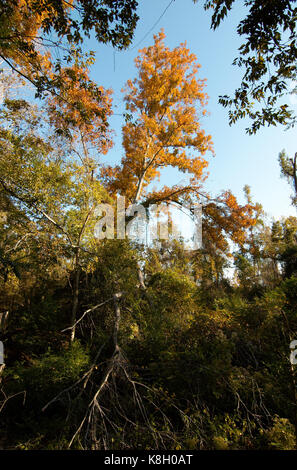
(115, 359)
(85, 313)
(7, 398)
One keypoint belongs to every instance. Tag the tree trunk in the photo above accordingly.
(75, 295)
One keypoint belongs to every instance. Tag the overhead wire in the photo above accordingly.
(153, 27)
(141, 40)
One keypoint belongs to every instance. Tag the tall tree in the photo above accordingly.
(163, 125)
(165, 106)
(88, 135)
(48, 176)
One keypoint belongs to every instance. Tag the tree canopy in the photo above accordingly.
(36, 35)
(268, 59)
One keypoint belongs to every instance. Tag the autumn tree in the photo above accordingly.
(225, 223)
(164, 105)
(34, 33)
(50, 176)
(88, 136)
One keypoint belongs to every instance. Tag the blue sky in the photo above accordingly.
(240, 159)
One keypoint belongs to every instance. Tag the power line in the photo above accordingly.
(153, 27)
(146, 35)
